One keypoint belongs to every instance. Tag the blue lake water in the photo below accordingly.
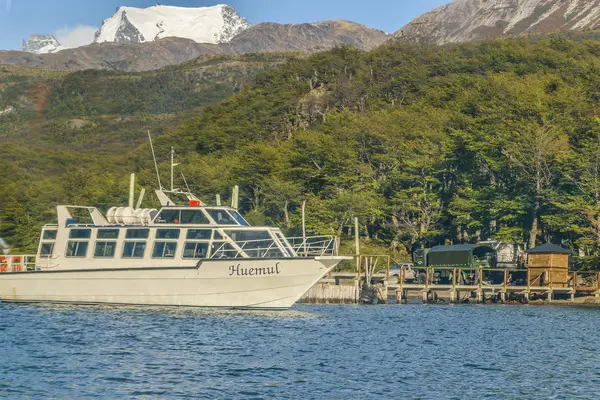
(311, 352)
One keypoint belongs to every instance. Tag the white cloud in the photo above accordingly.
(80, 35)
(8, 5)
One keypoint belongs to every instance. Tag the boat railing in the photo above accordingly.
(315, 246)
(17, 263)
(261, 248)
(268, 248)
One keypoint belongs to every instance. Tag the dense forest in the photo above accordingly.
(426, 145)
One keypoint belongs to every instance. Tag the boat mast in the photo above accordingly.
(154, 158)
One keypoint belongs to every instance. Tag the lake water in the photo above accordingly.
(311, 352)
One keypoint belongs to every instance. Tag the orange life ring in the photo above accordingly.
(3, 264)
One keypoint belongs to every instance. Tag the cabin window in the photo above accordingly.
(168, 217)
(249, 236)
(77, 249)
(186, 217)
(222, 217)
(223, 250)
(217, 236)
(47, 249)
(167, 234)
(80, 233)
(105, 249)
(238, 217)
(137, 233)
(195, 251)
(49, 235)
(199, 234)
(134, 249)
(164, 250)
(108, 234)
(193, 217)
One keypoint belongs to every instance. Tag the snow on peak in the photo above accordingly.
(216, 24)
(41, 44)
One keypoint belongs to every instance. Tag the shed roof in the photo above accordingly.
(549, 248)
(456, 247)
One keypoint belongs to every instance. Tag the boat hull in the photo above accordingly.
(243, 283)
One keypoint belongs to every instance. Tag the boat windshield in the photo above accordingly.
(184, 217)
(221, 216)
(238, 217)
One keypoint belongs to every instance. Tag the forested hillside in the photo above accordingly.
(424, 144)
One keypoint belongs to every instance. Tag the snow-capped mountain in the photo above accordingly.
(217, 24)
(41, 44)
(468, 20)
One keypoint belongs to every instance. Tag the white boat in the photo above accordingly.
(191, 255)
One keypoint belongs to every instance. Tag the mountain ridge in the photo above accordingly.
(475, 20)
(262, 38)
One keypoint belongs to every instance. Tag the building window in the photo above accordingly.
(167, 234)
(105, 249)
(108, 234)
(47, 249)
(80, 233)
(138, 233)
(134, 249)
(77, 249)
(195, 251)
(199, 234)
(164, 250)
(49, 235)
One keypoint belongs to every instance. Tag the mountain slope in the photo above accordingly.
(172, 51)
(471, 20)
(306, 37)
(217, 24)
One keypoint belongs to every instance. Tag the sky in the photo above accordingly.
(74, 22)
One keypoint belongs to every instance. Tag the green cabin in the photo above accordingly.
(470, 256)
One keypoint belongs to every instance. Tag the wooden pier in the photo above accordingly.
(457, 285)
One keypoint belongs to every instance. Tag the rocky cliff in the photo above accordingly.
(472, 20)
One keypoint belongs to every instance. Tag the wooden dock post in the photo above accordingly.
(357, 244)
(453, 294)
(453, 297)
(480, 294)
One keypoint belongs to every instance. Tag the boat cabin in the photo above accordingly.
(181, 234)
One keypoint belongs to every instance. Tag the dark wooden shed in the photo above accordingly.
(552, 259)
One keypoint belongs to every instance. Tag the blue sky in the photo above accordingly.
(75, 20)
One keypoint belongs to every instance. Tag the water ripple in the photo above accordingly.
(313, 352)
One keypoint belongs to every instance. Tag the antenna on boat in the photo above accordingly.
(139, 202)
(131, 190)
(235, 197)
(186, 184)
(154, 158)
(173, 165)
